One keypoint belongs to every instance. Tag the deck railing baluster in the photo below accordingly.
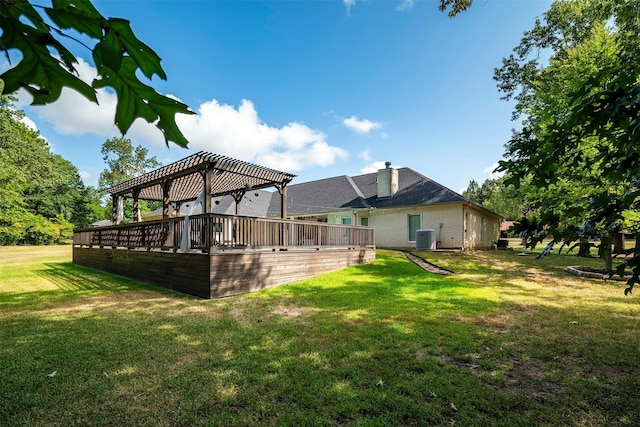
(213, 231)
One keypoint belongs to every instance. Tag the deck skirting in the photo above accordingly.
(221, 273)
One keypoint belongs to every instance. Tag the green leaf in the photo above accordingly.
(146, 59)
(136, 99)
(118, 55)
(19, 8)
(109, 51)
(38, 72)
(79, 15)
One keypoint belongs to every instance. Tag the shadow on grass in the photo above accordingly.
(70, 278)
(70, 281)
(381, 344)
(226, 362)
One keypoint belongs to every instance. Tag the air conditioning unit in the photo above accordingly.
(426, 239)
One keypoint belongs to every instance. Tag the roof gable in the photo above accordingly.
(361, 191)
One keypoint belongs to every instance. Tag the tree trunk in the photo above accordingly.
(585, 248)
(619, 236)
(608, 262)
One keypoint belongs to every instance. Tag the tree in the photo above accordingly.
(454, 6)
(124, 161)
(47, 65)
(42, 194)
(498, 196)
(88, 208)
(578, 145)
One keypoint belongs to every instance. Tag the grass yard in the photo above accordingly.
(508, 340)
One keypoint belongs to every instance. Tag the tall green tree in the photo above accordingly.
(580, 110)
(89, 208)
(498, 196)
(42, 193)
(124, 161)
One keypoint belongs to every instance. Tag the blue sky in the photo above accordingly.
(316, 88)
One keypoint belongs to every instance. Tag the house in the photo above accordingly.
(396, 202)
(504, 228)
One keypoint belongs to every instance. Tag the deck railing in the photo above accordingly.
(211, 232)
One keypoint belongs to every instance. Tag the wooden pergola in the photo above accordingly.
(211, 254)
(185, 180)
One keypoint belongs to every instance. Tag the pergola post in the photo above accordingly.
(237, 196)
(166, 186)
(207, 176)
(116, 203)
(282, 189)
(136, 207)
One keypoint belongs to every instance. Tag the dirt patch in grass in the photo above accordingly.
(422, 354)
(527, 379)
(292, 312)
(524, 378)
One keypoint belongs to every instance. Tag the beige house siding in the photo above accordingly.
(337, 217)
(480, 230)
(392, 225)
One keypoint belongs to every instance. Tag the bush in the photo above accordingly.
(22, 227)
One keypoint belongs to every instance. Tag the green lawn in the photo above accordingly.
(508, 340)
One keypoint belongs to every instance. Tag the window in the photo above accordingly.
(346, 220)
(414, 225)
(364, 222)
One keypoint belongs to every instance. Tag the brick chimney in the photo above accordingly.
(387, 181)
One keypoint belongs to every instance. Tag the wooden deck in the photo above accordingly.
(226, 255)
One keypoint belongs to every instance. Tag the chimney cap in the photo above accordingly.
(387, 164)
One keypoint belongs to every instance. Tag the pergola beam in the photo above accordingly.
(221, 176)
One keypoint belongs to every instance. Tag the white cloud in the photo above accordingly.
(219, 128)
(73, 114)
(361, 126)
(365, 156)
(84, 175)
(29, 123)
(405, 5)
(373, 167)
(489, 171)
(240, 133)
(26, 120)
(349, 4)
